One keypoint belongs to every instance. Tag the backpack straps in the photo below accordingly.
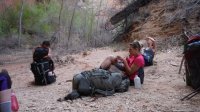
(42, 72)
(103, 74)
(105, 93)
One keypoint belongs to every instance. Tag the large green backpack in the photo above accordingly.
(99, 81)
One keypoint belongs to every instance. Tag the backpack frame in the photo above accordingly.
(41, 73)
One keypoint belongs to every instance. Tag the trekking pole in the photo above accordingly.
(181, 65)
(192, 95)
(189, 96)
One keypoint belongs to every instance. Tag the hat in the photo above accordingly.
(152, 39)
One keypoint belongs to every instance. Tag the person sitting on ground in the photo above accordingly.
(151, 43)
(106, 82)
(131, 66)
(5, 91)
(148, 51)
(43, 66)
(43, 53)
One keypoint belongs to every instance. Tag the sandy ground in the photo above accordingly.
(162, 89)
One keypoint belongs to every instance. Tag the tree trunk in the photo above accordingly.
(20, 23)
(60, 21)
(99, 10)
(71, 23)
(133, 7)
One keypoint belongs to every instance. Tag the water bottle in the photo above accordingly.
(137, 82)
(14, 102)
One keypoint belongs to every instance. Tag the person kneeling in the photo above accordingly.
(43, 66)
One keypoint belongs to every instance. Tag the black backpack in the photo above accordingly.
(40, 53)
(192, 61)
(43, 74)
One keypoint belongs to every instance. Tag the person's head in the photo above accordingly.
(4, 71)
(134, 48)
(150, 40)
(46, 44)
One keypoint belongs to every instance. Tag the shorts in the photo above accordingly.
(120, 66)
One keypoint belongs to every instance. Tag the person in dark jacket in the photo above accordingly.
(43, 53)
(43, 65)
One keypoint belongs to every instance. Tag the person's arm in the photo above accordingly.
(154, 46)
(49, 53)
(129, 70)
(33, 51)
(132, 69)
(151, 43)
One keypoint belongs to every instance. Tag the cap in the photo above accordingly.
(152, 39)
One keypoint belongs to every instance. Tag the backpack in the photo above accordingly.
(43, 75)
(98, 81)
(40, 53)
(192, 61)
(148, 57)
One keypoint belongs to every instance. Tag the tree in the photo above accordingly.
(20, 23)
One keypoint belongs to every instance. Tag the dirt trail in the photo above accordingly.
(162, 89)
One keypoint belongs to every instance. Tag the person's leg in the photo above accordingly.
(106, 64)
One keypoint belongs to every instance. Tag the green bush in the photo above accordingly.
(8, 21)
(36, 17)
(84, 20)
(43, 20)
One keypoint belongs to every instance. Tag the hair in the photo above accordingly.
(136, 45)
(46, 43)
(4, 71)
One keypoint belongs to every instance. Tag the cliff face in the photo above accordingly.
(162, 19)
(166, 18)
